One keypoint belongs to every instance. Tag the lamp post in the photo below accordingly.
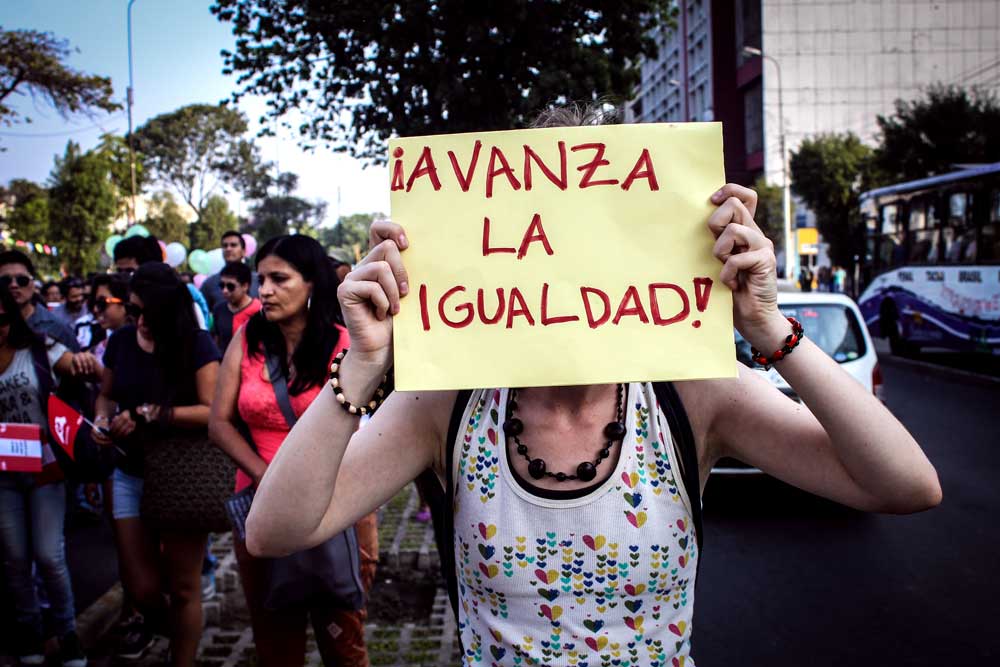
(131, 147)
(786, 197)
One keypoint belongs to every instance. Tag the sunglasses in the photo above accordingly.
(228, 287)
(6, 319)
(133, 310)
(102, 303)
(127, 270)
(21, 280)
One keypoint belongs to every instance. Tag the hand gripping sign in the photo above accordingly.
(560, 256)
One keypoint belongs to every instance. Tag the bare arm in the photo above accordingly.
(846, 446)
(194, 416)
(220, 423)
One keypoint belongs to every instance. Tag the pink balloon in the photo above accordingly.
(199, 278)
(251, 244)
(163, 249)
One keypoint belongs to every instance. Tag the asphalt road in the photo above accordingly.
(790, 579)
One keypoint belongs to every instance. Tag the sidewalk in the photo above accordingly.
(410, 620)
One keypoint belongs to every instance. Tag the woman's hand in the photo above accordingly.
(122, 425)
(101, 437)
(370, 294)
(748, 267)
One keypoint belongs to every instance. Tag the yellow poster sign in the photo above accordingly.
(560, 256)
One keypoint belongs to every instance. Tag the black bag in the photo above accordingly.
(328, 572)
(91, 462)
(441, 500)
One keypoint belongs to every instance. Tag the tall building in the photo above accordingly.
(842, 63)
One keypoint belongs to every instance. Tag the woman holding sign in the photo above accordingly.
(574, 531)
(33, 505)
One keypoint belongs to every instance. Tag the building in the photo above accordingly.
(842, 63)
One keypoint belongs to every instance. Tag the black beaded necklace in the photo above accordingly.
(586, 471)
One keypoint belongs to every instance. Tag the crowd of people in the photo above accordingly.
(186, 412)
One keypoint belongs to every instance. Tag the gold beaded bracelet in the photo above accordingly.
(373, 404)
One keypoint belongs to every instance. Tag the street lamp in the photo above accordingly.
(786, 199)
(131, 148)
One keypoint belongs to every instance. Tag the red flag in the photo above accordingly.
(64, 422)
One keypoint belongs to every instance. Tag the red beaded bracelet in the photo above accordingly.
(791, 342)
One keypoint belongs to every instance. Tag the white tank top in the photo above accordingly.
(604, 579)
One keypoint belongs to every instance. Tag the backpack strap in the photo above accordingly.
(685, 447)
(280, 386)
(446, 542)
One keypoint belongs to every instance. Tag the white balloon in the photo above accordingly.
(216, 261)
(176, 254)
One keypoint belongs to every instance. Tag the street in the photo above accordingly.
(788, 579)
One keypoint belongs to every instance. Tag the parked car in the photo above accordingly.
(833, 322)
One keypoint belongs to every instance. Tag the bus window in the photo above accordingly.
(960, 234)
(890, 247)
(922, 239)
(989, 250)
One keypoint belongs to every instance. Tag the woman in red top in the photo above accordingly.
(300, 324)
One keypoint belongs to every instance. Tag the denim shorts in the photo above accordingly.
(126, 495)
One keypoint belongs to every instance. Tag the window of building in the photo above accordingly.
(748, 28)
(753, 118)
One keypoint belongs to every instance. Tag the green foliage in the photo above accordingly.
(283, 212)
(83, 202)
(354, 73)
(770, 215)
(349, 233)
(215, 220)
(166, 220)
(27, 216)
(114, 149)
(829, 171)
(32, 62)
(929, 136)
(197, 149)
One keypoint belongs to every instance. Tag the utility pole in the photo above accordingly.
(129, 101)
(786, 190)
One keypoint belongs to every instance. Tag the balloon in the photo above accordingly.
(199, 278)
(198, 261)
(109, 245)
(175, 254)
(136, 230)
(163, 250)
(251, 244)
(215, 261)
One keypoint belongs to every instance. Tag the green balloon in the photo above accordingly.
(198, 261)
(109, 245)
(136, 230)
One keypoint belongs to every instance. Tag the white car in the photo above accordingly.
(834, 323)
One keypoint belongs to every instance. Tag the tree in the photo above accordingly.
(32, 62)
(197, 149)
(114, 148)
(829, 171)
(215, 220)
(350, 231)
(27, 216)
(83, 202)
(166, 220)
(284, 213)
(357, 72)
(931, 135)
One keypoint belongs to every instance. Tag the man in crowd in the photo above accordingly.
(234, 249)
(134, 251)
(237, 307)
(341, 260)
(74, 305)
(17, 274)
(52, 294)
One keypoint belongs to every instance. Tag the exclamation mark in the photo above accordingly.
(702, 290)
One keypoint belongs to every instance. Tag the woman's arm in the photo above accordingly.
(220, 422)
(327, 474)
(194, 416)
(846, 446)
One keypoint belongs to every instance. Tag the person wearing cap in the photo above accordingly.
(234, 249)
(342, 262)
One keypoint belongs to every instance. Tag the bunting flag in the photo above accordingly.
(64, 422)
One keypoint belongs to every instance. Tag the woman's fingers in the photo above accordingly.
(744, 194)
(732, 211)
(365, 291)
(735, 239)
(388, 251)
(760, 261)
(386, 230)
(378, 273)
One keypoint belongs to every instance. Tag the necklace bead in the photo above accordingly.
(536, 468)
(513, 426)
(614, 431)
(586, 471)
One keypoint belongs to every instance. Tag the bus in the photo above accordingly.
(933, 262)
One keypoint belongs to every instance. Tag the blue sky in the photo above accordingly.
(176, 61)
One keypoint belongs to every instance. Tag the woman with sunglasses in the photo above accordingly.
(300, 325)
(109, 296)
(33, 505)
(158, 384)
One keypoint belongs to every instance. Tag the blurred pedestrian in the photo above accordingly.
(33, 505)
(342, 263)
(133, 252)
(159, 379)
(805, 279)
(51, 294)
(300, 328)
(234, 249)
(237, 307)
(839, 279)
(74, 305)
(17, 274)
